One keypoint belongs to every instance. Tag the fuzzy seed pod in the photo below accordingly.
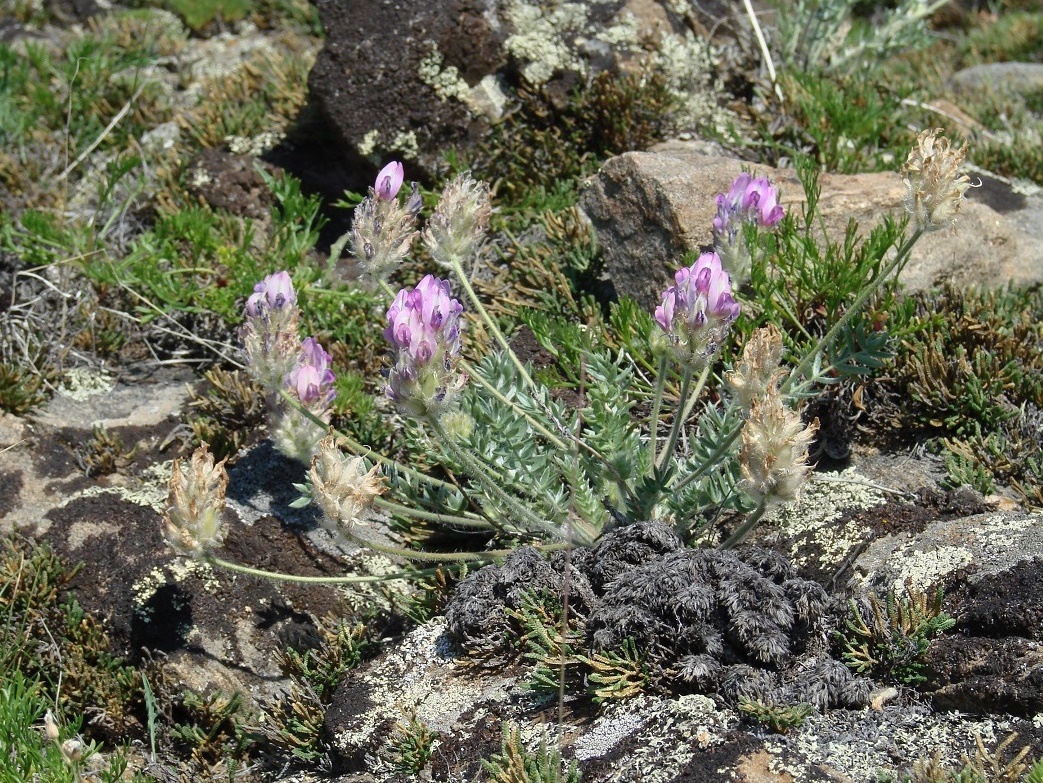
(192, 522)
(774, 455)
(935, 186)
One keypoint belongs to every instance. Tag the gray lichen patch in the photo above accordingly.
(674, 732)
(421, 673)
(812, 524)
(991, 543)
(862, 745)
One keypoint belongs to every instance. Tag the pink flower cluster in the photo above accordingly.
(311, 378)
(278, 359)
(748, 199)
(698, 309)
(424, 329)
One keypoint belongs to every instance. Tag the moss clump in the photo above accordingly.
(47, 637)
(970, 375)
(546, 139)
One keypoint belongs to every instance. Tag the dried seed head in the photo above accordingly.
(774, 455)
(759, 367)
(935, 185)
(343, 487)
(192, 522)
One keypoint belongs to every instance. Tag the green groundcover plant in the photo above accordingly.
(518, 463)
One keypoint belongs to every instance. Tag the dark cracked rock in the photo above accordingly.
(367, 79)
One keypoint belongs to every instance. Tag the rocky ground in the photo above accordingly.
(86, 473)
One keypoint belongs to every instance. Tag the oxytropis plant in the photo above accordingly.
(519, 463)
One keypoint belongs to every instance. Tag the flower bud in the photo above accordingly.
(275, 292)
(192, 521)
(311, 382)
(382, 233)
(269, 333)
(50, 727)
(389, 180)
(457, 227)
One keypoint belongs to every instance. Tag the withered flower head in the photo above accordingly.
(759, 367)
(935, 185)
(774, 455)
(192, 522)
(342, 486)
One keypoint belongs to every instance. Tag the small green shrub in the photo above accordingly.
(781, 719)
(516, 764)
(889, 638)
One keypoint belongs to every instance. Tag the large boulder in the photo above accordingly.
(650, 208)
(417, 78)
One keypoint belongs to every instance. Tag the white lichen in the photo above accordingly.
(81, 383)
(544, 39)
(687, 64)
(405, 142)
(446, 82)
(368, 144)
(814, 516)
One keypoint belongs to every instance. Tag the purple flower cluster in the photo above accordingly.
(311, 378)
(698, 309)
(749, 199)
(424, 329)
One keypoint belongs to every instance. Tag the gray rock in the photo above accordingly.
(649, 208)
(1020, 78)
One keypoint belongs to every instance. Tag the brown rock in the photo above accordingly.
(649, 208)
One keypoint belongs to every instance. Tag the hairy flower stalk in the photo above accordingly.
(933, 181)
(774, 456)
(310, 383)
(269, 333)
(192, 520)
(383, 229)
(749, 200)
(424, 330)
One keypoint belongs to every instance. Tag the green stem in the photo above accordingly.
(494, 330)
(900, 258)
(434, 516)
(657, 402)
(360, 450)
(326, 580)
(739, 535)
(722, 449)
(679, 415)
(474, 467)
